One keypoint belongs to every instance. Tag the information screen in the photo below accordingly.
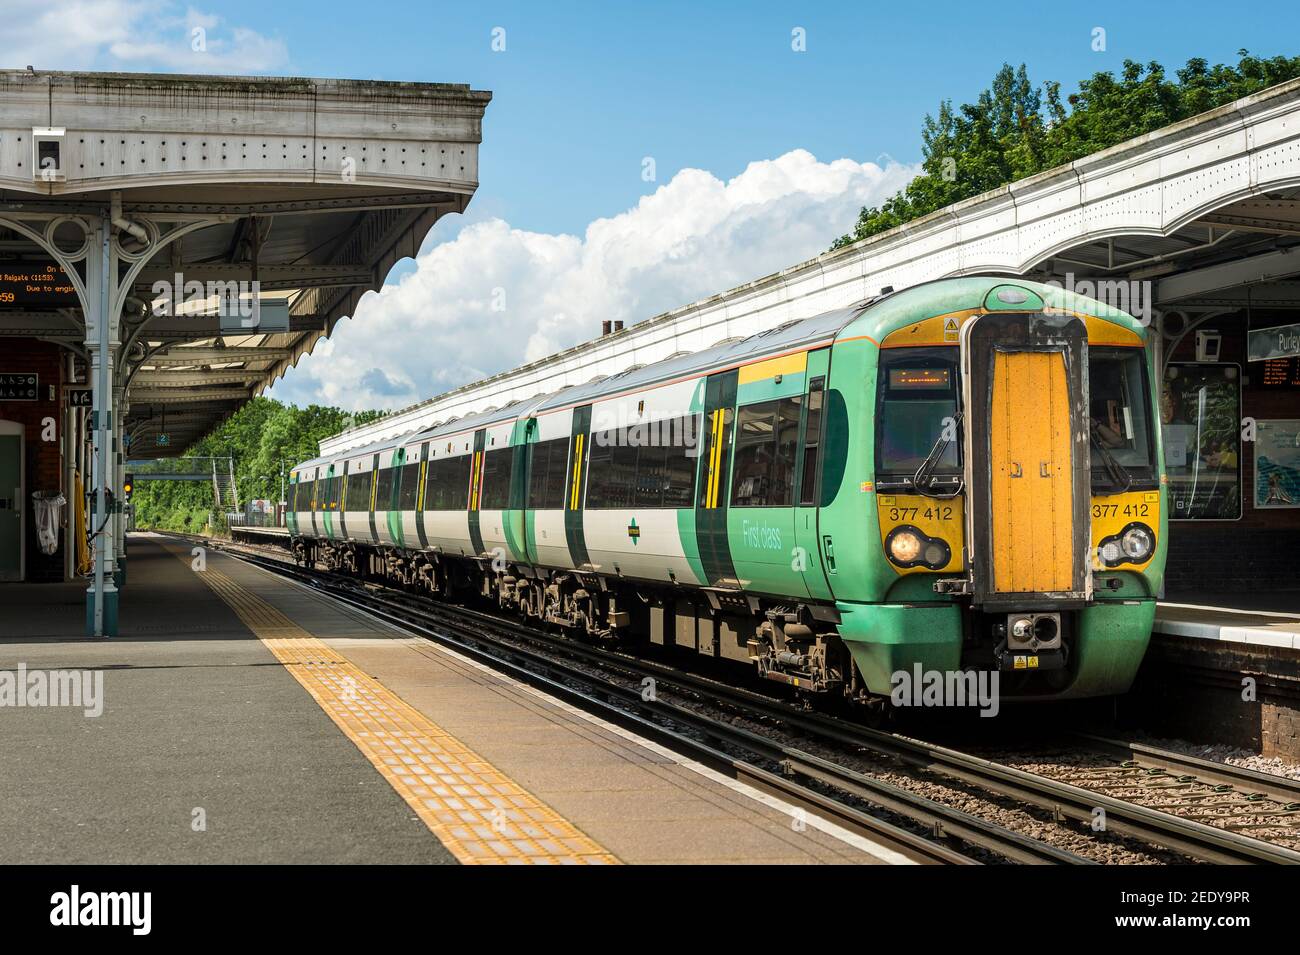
(1279, 373)
(920, 379)
(35, 285)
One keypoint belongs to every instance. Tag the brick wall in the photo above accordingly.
(44, 459)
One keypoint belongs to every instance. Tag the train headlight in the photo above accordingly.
(904, 546)
(908, 546)
(1133, 545)
(1138, 542)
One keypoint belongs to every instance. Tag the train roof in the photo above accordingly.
(881, 315)
(944, 296)
(786, 337)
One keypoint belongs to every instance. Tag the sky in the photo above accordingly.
(635, 156)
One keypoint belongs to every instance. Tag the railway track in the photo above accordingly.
(819, 784)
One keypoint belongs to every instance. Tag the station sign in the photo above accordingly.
(20, 386)
(255, 317)
(79, 397)
(1282, 341)
(1278, 351)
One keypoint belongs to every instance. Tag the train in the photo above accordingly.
(964, 476)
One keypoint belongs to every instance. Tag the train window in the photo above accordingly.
(407, 494)
(611, 470)
(548, 471)
(1200, 415)
(812, 441)
(917, 404)
(497, 470)
(384, 489)
(1118, 420)
(357, 495)
(767, 436)
(679, 464)
(446, 484)
(650, 465)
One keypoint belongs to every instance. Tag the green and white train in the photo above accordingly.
(964, 475)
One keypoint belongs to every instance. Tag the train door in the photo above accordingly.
(315, 496)
(476, 492)
(1027, 457)
(420, 495)
(577, 486)
(343, 503)
(328, 486)
(812, 546)
(714, 481)
(374, 484)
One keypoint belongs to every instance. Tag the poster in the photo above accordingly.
(1277, 463)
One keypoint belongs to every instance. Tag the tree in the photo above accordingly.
(1014, 130)
(261, 437)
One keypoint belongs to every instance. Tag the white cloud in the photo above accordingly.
(133, 35)
(436, 328)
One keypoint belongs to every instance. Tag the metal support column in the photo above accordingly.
(101, 342)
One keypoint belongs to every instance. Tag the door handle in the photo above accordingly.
(1016, 470)
(1042, 469)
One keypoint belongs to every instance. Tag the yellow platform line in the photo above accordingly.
(475, 810)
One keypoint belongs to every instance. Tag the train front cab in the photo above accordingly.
(1019, 520)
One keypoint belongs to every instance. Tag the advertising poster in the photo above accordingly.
(1277, 463)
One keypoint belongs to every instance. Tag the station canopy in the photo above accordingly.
(313, 189)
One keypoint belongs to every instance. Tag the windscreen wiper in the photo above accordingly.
(923, 479)
(1120, 478)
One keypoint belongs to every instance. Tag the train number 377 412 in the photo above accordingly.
(1115, 510)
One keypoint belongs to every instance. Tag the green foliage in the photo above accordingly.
(1014, 129)
(262, 436)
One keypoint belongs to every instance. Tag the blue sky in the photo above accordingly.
(762, 154)
(584, 91)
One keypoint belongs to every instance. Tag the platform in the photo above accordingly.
(1234, 619)
(247, 719)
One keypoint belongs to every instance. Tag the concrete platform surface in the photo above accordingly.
(247, 719)
(1227, 622)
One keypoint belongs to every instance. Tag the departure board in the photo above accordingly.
(35, 285)
(1279, 373)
